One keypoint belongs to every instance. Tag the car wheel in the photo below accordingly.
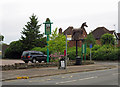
(26, 61)
(34, 60)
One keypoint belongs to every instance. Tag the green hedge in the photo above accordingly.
(105, 52)
(44, 50)
(72, 52)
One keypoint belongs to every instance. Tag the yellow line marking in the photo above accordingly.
(24, 77)
(48, 79)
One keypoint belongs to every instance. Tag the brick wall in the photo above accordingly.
(118, 43)
(98, 42)
(73, 43)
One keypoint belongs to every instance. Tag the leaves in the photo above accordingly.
(57, 42)
(90, 40)
(107, 39)
(1, 37)
(31, 36)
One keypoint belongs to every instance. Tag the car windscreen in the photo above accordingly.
(25, 54)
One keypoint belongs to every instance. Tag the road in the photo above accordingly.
(100, 77)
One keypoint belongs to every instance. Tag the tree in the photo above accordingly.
(14, 50)
(31, 36)
(90, 39)
(107, 39)
(57, 42)
(1, 37)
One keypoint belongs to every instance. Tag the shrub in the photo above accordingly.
(96, 47)
(44, 50)
(72, 52)
(105, 52)
(14, 51)
(55, 57)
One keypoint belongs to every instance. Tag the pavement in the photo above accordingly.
(49, 71)
(10, 61)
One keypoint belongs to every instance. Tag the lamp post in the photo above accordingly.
(47, 32)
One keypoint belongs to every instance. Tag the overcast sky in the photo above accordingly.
(63, 13)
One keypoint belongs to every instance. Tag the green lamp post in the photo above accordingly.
(47, 32)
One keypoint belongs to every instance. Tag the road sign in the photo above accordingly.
(90, 52)
(90, 45)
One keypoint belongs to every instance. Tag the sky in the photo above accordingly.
(63, 13)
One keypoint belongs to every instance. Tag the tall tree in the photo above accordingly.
(31, 36)
(90, 39)
(107, 39)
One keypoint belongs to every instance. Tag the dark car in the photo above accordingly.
(33, 56)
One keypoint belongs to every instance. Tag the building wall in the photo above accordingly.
(118, 43)
(73, 43)
(98, 42)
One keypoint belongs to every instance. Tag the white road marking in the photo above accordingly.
(63, 77)
(88, 78)
(76, 80)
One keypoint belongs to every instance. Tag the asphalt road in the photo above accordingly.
(100, 77)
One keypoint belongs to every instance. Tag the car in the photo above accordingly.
(33, 56)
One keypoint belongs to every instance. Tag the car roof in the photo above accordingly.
(33, 51)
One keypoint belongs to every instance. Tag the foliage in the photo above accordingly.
(72, 52)
(14, 50)
(95, 47)
(90, 40)
(1, 37)
(57, 42)
(105, 52)
(55, 57)
(107, 39)
(44, 50)
(31, 36)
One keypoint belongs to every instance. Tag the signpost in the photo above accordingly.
(90, 52)
(84, 51)
(47, 32)
(66, 50)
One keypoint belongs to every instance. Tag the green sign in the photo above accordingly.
(47, 29)
(84, 48)
(47, 26)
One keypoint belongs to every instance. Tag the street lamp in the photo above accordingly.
(47, 32)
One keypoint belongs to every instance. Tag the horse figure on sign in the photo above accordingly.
(77, 33)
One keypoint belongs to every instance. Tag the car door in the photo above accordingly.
(42, 55)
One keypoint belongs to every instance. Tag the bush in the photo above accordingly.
(96, 47)
(105, 52)
(44, 50)
(72, 52)
(14, 51)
